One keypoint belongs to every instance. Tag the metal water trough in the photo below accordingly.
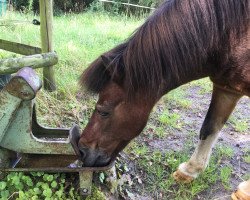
(24, 144)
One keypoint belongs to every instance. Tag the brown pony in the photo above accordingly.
(183, 40)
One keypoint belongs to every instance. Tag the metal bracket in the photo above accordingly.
(85, 178)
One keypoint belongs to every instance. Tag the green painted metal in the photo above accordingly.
(19, 136)
(16, 118)
(8, 106)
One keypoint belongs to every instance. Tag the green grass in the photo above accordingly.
(225, 174)
(205, 85)
(224, 151)
(177, 98)
(246, 156)
(158, 168)
(170, 119)
(239, 125)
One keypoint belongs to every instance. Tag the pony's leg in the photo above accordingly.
(243, 192)
(221, 106)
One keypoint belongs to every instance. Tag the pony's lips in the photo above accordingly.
(74, 137)
(89, 157)
(94, 157)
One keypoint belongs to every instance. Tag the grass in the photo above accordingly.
(171, 119)
(225, 151)
(176, 98)
(78, 40)
(225, 174)
(246, 156)
(158, 168)
(239, 125)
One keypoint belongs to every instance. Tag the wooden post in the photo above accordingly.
(46, 28)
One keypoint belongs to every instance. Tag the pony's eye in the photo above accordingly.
(103, 114)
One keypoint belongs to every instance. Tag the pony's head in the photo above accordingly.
(116, 119)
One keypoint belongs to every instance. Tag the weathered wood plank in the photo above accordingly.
(19, 48)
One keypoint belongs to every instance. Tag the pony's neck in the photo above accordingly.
(189, 76)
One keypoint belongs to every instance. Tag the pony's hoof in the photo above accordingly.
(238, 195)
(243, 192)
(181, 177)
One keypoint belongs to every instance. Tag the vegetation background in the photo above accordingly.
(61, 6)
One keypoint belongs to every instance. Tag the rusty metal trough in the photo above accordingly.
(27, 146)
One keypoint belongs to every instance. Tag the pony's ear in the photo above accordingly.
(106, 61)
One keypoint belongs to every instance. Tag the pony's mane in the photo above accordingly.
(177, 39)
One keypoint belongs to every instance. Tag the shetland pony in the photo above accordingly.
(183, 40)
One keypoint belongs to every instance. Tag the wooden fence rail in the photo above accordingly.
(12, 65)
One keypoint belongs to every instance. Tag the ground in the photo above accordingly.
(145, 167)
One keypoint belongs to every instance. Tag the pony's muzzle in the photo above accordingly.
(89, 157)
(93, 157)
